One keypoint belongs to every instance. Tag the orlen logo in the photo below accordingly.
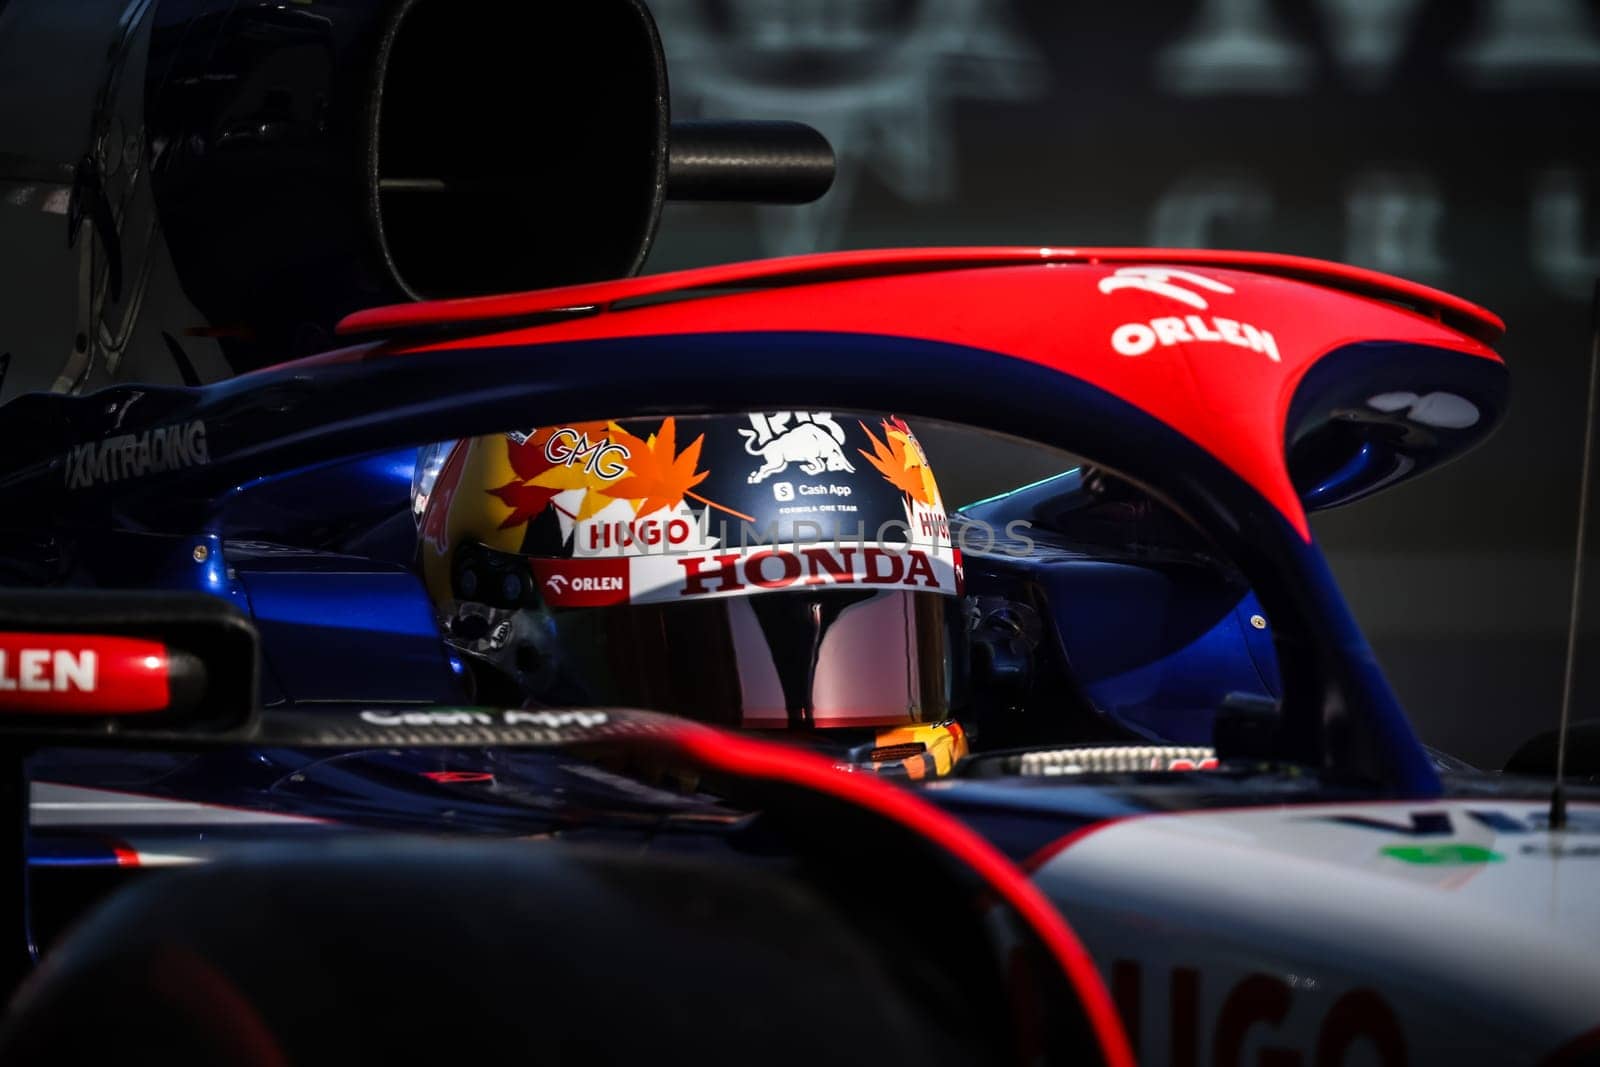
(1164, 281)
(82, 674)
(1138, 338)
(603, 584)
(49, 670)
(582, 583)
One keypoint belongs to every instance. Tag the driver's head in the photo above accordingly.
(779, 570)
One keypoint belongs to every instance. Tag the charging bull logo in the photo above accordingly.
(814, 442)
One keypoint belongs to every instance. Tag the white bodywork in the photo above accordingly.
(1306, 935)
(1294, 935)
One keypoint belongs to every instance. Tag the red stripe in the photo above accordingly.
(763, 760)
(825, 266)
(222, 1015)
(1230, 400)
(458, 777)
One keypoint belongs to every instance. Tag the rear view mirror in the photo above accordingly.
(83, 665)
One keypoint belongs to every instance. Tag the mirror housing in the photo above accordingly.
(94, 665)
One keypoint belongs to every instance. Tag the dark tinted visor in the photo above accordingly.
(840, 658)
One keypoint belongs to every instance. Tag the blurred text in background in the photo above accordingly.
(1452, 142)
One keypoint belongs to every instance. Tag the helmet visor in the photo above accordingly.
(856, 658)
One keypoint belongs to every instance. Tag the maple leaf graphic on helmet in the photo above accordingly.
(658, 475)
(604, 462)
(543, 470)
(901, 461)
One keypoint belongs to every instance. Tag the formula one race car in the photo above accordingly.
(612, 648)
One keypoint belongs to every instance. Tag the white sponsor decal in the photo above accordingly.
(1185, 287)
(813, 442)
(824, 490)
(609, 583)
(583, 583)
(45, 670)
(615, 530)
(472, 717)
(1137, 338)
(1341, 923)
(651, 533)
(932, 523)
(165, 448)
(1164, 281)
(554, 719)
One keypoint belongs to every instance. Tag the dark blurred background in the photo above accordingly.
(1453, 142)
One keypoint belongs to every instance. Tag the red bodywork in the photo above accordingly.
(1218, 359)
(82, 674)
(763, 760)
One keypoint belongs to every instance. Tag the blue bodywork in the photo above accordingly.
(1156, 646)
(271, 434)
(1158, 640)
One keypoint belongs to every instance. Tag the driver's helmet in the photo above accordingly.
(787, 570)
